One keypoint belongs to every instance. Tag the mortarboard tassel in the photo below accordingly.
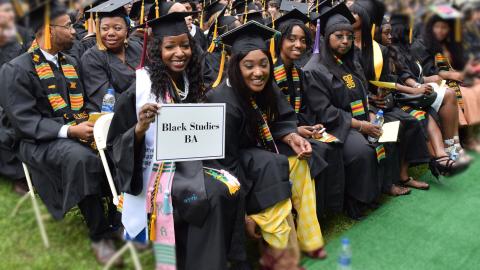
(245, 12)
(47, 35)
(316, 46)
(18, 8)
(410, 30)
(214, 36)
(220, 70)
(458, 30)
(98, 38)
(157, 10)
(373, 31)
(142, 12)
(272, 44)
(317, 6)
(201, 15)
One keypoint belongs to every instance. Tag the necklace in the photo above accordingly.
(182, 94)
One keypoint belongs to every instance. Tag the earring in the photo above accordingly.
(125, 42)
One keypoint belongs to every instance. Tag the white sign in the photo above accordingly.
(190, 132)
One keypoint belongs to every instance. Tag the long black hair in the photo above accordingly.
(434, 46)
(264, 99)
(161, 80)
(393, 53)
(367, 44)
(286, 31)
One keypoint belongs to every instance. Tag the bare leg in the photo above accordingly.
(436, 138)
(449, 115)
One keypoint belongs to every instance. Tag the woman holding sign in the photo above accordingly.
(259, 120)
(188, 211)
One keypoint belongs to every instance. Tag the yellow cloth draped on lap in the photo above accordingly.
(304, 201)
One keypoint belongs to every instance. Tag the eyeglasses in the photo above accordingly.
(342, 37)
(68, 26)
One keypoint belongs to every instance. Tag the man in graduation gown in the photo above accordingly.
(10, 47)
(44, 101)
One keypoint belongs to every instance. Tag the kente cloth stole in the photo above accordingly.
(280, 74)
(328, 138)
(380, 151)
(357, 108)
(72, 112)
(418, 114)
(264, 135)
(442, 63)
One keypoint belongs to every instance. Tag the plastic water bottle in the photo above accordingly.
(108, 102)
(378, 121)
(345, 257)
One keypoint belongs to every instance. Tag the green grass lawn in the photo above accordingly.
(21, 246)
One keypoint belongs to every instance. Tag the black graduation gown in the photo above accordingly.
(200, 38)
(102, 70)
(329, 100)
(204, 228)
(324, 164)
(64, 171)
(264, 175)
(211, 67)
(427, 59)
(10, 166)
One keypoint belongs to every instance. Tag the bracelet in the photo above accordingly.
(417, 85)
(361, 126)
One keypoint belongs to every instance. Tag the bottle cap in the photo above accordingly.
(345, 241)
(110, 91)
(380, 112)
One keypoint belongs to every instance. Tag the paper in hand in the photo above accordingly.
(390, 132)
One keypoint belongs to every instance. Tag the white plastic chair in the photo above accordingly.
(100, 132)
(36, 209)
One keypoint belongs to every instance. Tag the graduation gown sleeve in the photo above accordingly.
(427, 61)
(126, 155)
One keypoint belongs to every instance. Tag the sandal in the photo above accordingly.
(320, 254)
(446, 166)
(396, 190)
(412, 183)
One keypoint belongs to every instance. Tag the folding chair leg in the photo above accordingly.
(19, 203)
(133, 252)
(125, 248)
(36, 209)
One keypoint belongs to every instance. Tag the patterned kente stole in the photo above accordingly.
(294, 96)
(73, 112)
(265, 137)
(418, 114)
(442, 63)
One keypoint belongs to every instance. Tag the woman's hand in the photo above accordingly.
(252, 228)
(377, 101)
(309, 131)
(299, 145)
(370, 129)
(426, 89)
(146, 116)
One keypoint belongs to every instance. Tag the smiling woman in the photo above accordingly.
(114, 67)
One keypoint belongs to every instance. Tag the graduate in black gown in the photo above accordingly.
(294, 40)
(204, 226)
(337, 95)
(408, 150)
(213, 57)
(111, 64)
(260, 123)
(10, 47)
(45, 103)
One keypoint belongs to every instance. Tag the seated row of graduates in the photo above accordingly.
(275, 145)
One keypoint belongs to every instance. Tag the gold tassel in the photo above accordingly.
(220, 70)
(98, 38)
(215, 33)
(47, 35)
(142, 12)
(458, 30)
(272, 44)
(245, 12)
(18, 8)
(317, 6)
(201, 15)
(373, 31)
(410, 30)
(157, 10)
(152, 234)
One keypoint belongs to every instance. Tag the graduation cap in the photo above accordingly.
(244, 6)
(171, 24)
(292, 16)
(374, 8)
(253, 16)
(248, 37)
(447, 12)
(42, 13)
(290, 5)
(315, 11)
(212, 8)
(336, 18)
(213, 30)
(139, 8)
(112, 8)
